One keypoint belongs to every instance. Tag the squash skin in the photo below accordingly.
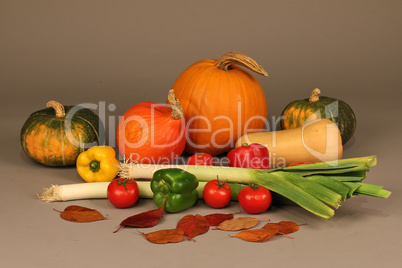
(148, 134)
(43, 137)
(299, 111)
(222, 104)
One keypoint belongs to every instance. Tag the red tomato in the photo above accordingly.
(123, 193)
(255, 199)
(217, 193)
(299, 163)
(201, 159)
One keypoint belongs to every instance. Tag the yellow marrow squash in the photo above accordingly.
(316, 141)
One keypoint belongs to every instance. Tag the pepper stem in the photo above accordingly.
(94, 166)
(177, 110)
(226, 61)
(58, 108)
(315, 95)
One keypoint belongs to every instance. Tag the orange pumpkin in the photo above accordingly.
(152, 133)
(221, 102)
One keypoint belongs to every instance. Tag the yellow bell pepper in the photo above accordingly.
(98, 164)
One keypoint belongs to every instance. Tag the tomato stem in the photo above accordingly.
(124, 183)
(254, 186)
(221, 184)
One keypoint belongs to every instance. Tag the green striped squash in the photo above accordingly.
(55, 136)
(298, 112)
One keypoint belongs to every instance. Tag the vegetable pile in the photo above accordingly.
(215, 111)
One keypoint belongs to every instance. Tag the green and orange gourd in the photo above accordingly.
(55, 136)
(298, 112)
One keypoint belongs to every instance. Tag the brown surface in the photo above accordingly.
(117, 53)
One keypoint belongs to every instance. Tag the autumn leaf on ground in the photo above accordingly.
(217, 218)
(165, 236)
(193, 225)
(238, 224)
(284, 227)
(80, 214)
(142, 220)
(257, 235)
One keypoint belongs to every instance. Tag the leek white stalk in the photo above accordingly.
(74, 191)
(89, 190)
(93, 190)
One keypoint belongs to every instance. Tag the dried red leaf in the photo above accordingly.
(257, 235)
(165, 236)
(237, 224)
(193, 225)
(143, 220)
(80, 214)
(218, 218)
(284, 227)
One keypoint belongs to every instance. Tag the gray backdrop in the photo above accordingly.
(118, 53)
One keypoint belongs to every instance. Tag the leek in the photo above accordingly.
(319, 188)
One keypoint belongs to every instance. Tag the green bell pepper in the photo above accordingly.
(176, 187)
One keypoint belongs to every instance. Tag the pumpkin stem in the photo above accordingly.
(226, 61)
(58, 107)
(177, 110)
(315, 95)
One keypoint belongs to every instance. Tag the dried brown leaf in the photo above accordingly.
(256, 235)
(284, 227)
(80, 214)
(143, 220)
(193, 225)
(237, 224)
(165, 236)
(217, 218)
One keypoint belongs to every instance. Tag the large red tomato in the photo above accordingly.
(123, 193)
(217, 194)
(255, 199)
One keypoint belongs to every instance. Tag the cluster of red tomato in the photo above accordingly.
(217, 193)
(254, 199)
